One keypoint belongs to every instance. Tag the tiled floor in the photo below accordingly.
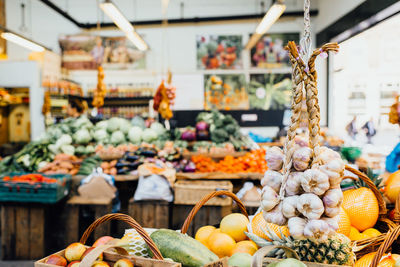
(16, 263)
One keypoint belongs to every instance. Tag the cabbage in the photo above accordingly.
(65, 139)
(82, 137)
(138, 121)
(124, 126)
(80, 150)
(158, 128)
(113, 125)
(90, 149)
(102, 125)
(82, 122)
(117, 138)
(149, 135)
(67, 149)
(100, 135)
(135, 134)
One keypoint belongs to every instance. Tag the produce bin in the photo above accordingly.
(189, 192)
(40, 192)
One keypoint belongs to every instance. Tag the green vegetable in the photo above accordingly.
(182, 248)
(80, 150)
(158, 128)
(149, 135)
(135, 134)
(67, 149)
(82, 137)
(90, 149)
(113, 125)
(240, 260)
(102, 125)
(125, 126)
(117, 138)
(138, 121)
(100, 135)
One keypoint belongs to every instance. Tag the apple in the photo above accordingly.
(123, 263)
(74, 264)
(74, 251)
(56, 260)
(100, 258)
(102, 240)
(100, 264)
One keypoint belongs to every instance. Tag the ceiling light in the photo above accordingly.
(272, 15)
(19, 40)
(123, 24)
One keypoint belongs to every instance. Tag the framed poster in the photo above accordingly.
(219, 52)
(86, 52)
(225, 92)
(270, 91)
(269, 51)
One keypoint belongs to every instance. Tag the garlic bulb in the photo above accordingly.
(315, 181)
(301, 158)
(326, 155)
(272, 179)
(334, 178)
(293, 184)
(269, 198)
(296, 227)
(275, 216)
(333, 198)
(332, 223)
(332, 212)
(310, 206)
(317, 229)
(274, 158)
(289, 206)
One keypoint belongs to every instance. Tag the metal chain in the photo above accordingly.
(305, 42)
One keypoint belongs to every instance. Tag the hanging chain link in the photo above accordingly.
(305, 42)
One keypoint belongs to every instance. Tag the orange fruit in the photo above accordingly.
(387, 260)
(245, 246)
(235, 225)
(344, 223)
(362, 207)
(371, 232)
(392, 189)
(221, 244)
(354, 234)
(259, 226)
(204, 233)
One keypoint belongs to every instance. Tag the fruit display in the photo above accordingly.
(251, 162)
(392, 186)
(62, 164)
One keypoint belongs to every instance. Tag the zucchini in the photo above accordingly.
(182, 248)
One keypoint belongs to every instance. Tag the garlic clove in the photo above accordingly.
(332, 222)
(296, 227)
(293, 184)
(333, 198)
(317, 229)
(275, 216)
(301, 158)
(315, 181)
(326, 155)
(272, 179)
(334, 178)
(310, 205)
(269, 198)
(289, 206)
(274, 157)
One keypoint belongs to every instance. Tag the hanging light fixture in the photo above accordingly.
(272, 15)
(123, 24)
(22, 41)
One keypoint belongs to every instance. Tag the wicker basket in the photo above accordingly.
(204, 201)
(391, 236)
(111, 257)
(189, 192)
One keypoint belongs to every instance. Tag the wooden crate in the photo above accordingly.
(74, 226)
(207, 215)
(190, 192)
(151, 214)
(22, 231)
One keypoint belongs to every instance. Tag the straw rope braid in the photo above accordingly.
(289, 147)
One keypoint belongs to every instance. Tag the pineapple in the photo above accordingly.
(336, 250)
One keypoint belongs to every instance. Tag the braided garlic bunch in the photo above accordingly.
(311, 192)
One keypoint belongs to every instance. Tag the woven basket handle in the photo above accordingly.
(387, 243)
(204, 200)
(259, 256)
(396, 215)
(371, 185)
(131, 222)
(93, 255)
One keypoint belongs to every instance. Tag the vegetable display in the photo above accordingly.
(31, 178)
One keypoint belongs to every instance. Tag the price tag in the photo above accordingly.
(249, 117)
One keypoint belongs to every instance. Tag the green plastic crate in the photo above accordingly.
(38, 192)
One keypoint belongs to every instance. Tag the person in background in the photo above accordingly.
(76, 107)
(98, 51)
(351, 128)
(369, 129)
